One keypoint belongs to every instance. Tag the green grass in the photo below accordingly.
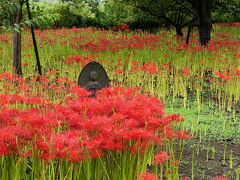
(210, 123)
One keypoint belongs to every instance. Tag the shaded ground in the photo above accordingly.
(195, 158)
(212, 156)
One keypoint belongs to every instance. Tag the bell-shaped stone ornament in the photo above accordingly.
(93, 77)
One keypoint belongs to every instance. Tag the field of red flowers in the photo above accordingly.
(172, 111)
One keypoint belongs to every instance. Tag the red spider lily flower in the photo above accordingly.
(168, 132)
(26, 154)
(75, 155)
(154, 123)
(77, 128)
(34, 100)
(166, 66)
(183, 135)
(34, 120)
(124, 27)
(219, 74)
(171, 118)
(237, 73)
(118, 71)
(81, 59)
(51, 73)
(138, 134)
(236, 24)
(224, 76)
(3, 150)
(44, 79)
(80, 92)
(42, 146)
(165, 55)
(185, 71)
(227, 76)
(161, 157)
(115, 44)
(150, 68)
(95, 147)
(28, 55)
(111, 144)
(12, 138)
(7, 116)
(147, 176)
(237, 56)
(158, 140)
(46, 156)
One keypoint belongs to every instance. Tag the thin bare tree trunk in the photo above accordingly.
(34, 40)
(188, 33)
(17, 65)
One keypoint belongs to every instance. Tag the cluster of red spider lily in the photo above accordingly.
(54, 117)
(155, 68)
(77, 127)
(121, 27)
(233, 24)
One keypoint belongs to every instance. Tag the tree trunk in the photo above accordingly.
(203, 11)
(188, 33)
(205, 24)
(17, 65)
(179, 31)
(34, 40)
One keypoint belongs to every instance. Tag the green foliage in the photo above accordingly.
(144, 14)
(66, 14)
(145, 22)
(7, 11)
(66, 18)
(226, 11)
(48, 14)
(170, 13)
(43, 14)
(82, 8)
(115, 13)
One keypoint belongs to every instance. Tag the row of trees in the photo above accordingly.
(144, 14)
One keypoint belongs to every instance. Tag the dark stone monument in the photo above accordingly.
(93, 77)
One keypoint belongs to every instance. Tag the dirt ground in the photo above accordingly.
(204, 168)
